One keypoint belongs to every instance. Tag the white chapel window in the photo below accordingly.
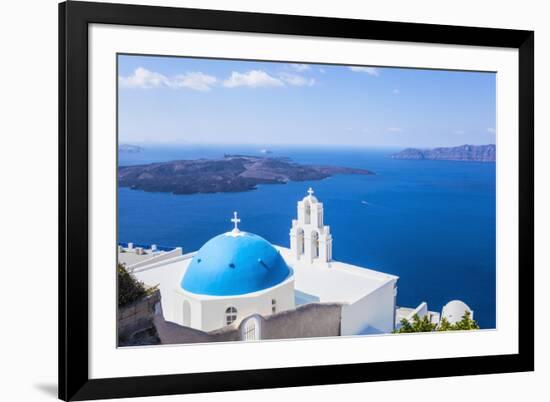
(230, 315)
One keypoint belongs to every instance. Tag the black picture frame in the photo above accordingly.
(74, 18)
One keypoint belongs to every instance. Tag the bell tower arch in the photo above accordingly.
(310, 238)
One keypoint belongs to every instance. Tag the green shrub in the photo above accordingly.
(130, 289)
(466, 323)
(417, 325)
(424, 325)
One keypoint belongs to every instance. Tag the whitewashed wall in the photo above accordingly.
(208, 312)
(373, 313)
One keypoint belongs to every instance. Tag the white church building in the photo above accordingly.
(237, 277)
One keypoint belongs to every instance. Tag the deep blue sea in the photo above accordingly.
(432, 223)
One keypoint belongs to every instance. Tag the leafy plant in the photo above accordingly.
(424, 325)
(465, 324)
(418, 325)
(130, 289)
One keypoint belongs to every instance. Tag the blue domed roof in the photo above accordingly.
(234, 263)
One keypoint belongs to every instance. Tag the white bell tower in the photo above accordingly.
(310, 238)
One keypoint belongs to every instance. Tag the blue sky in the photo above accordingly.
(172, 100)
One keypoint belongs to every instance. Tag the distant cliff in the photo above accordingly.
(231, 174)
(129, 148)
(477, 153)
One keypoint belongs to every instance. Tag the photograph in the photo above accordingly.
(276, 200)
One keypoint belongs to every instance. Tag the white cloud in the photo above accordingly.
(259, 78)
(299, 67)
(143, 78)
(396, 91)
(194, 80)
(368, 70)
(252, 79)
(322, 71)
(395, 129)
(198, 81)
(296, 80)
(491, 130)
(459, 132)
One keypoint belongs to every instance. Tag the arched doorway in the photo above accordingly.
(251, 329)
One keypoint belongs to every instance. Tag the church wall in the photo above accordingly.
(196, 313)
(307, 321)
(371, 314)
(167, 276)
(172, 333)
(213, 309)
(182, 309)
(168, 300)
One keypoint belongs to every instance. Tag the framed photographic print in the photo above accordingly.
(257, 200)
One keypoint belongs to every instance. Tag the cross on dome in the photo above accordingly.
(235, 232)
(236, 221)
(310, 191)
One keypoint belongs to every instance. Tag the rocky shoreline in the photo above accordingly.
(475, 153)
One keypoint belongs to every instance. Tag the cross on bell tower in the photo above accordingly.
(310, 191)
